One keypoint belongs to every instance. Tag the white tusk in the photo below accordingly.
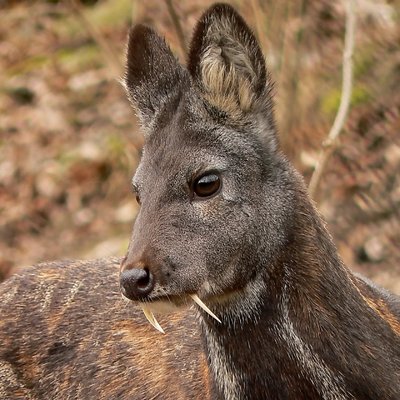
(152, 319)
(197, 300)
(125, 299)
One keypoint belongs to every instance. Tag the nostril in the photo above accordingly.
(144, 280)
(136, 283)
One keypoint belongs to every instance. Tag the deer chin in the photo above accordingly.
(171, 304)
(165, 306)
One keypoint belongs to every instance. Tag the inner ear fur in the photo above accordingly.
(227, 64)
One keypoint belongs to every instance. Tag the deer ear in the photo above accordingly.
(227, 64)
(153, 76)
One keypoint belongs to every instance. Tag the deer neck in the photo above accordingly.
(264, 346)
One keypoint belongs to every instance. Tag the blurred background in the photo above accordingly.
(69, 141)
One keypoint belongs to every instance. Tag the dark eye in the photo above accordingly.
(136, 193)
(206, 185)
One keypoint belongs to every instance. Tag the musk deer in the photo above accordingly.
(226, 222)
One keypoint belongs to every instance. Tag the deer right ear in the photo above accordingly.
(227, 64)
(153, 76)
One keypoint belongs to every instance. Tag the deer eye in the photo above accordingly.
(206, 185)
(136, 193)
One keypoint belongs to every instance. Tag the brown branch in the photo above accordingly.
(178, 27)
(258, 19)
(330, 143)
(110, 55)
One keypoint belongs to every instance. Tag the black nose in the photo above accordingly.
(136, 283)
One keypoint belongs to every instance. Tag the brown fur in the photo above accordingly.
(97, 346)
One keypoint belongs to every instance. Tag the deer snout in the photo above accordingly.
(136, 283)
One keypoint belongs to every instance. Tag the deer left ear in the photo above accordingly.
(154, 79)
(227, 64)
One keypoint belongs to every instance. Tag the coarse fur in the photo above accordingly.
(295, 322)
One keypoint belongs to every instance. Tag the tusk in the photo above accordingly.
(152, 319)
(125, 299)
(197, 300)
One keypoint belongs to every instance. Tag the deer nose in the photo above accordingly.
(136, 283)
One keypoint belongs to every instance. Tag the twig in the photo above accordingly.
(258, 16)
(111, 56)
(178, 27)
(291, 66)
(330, 143)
